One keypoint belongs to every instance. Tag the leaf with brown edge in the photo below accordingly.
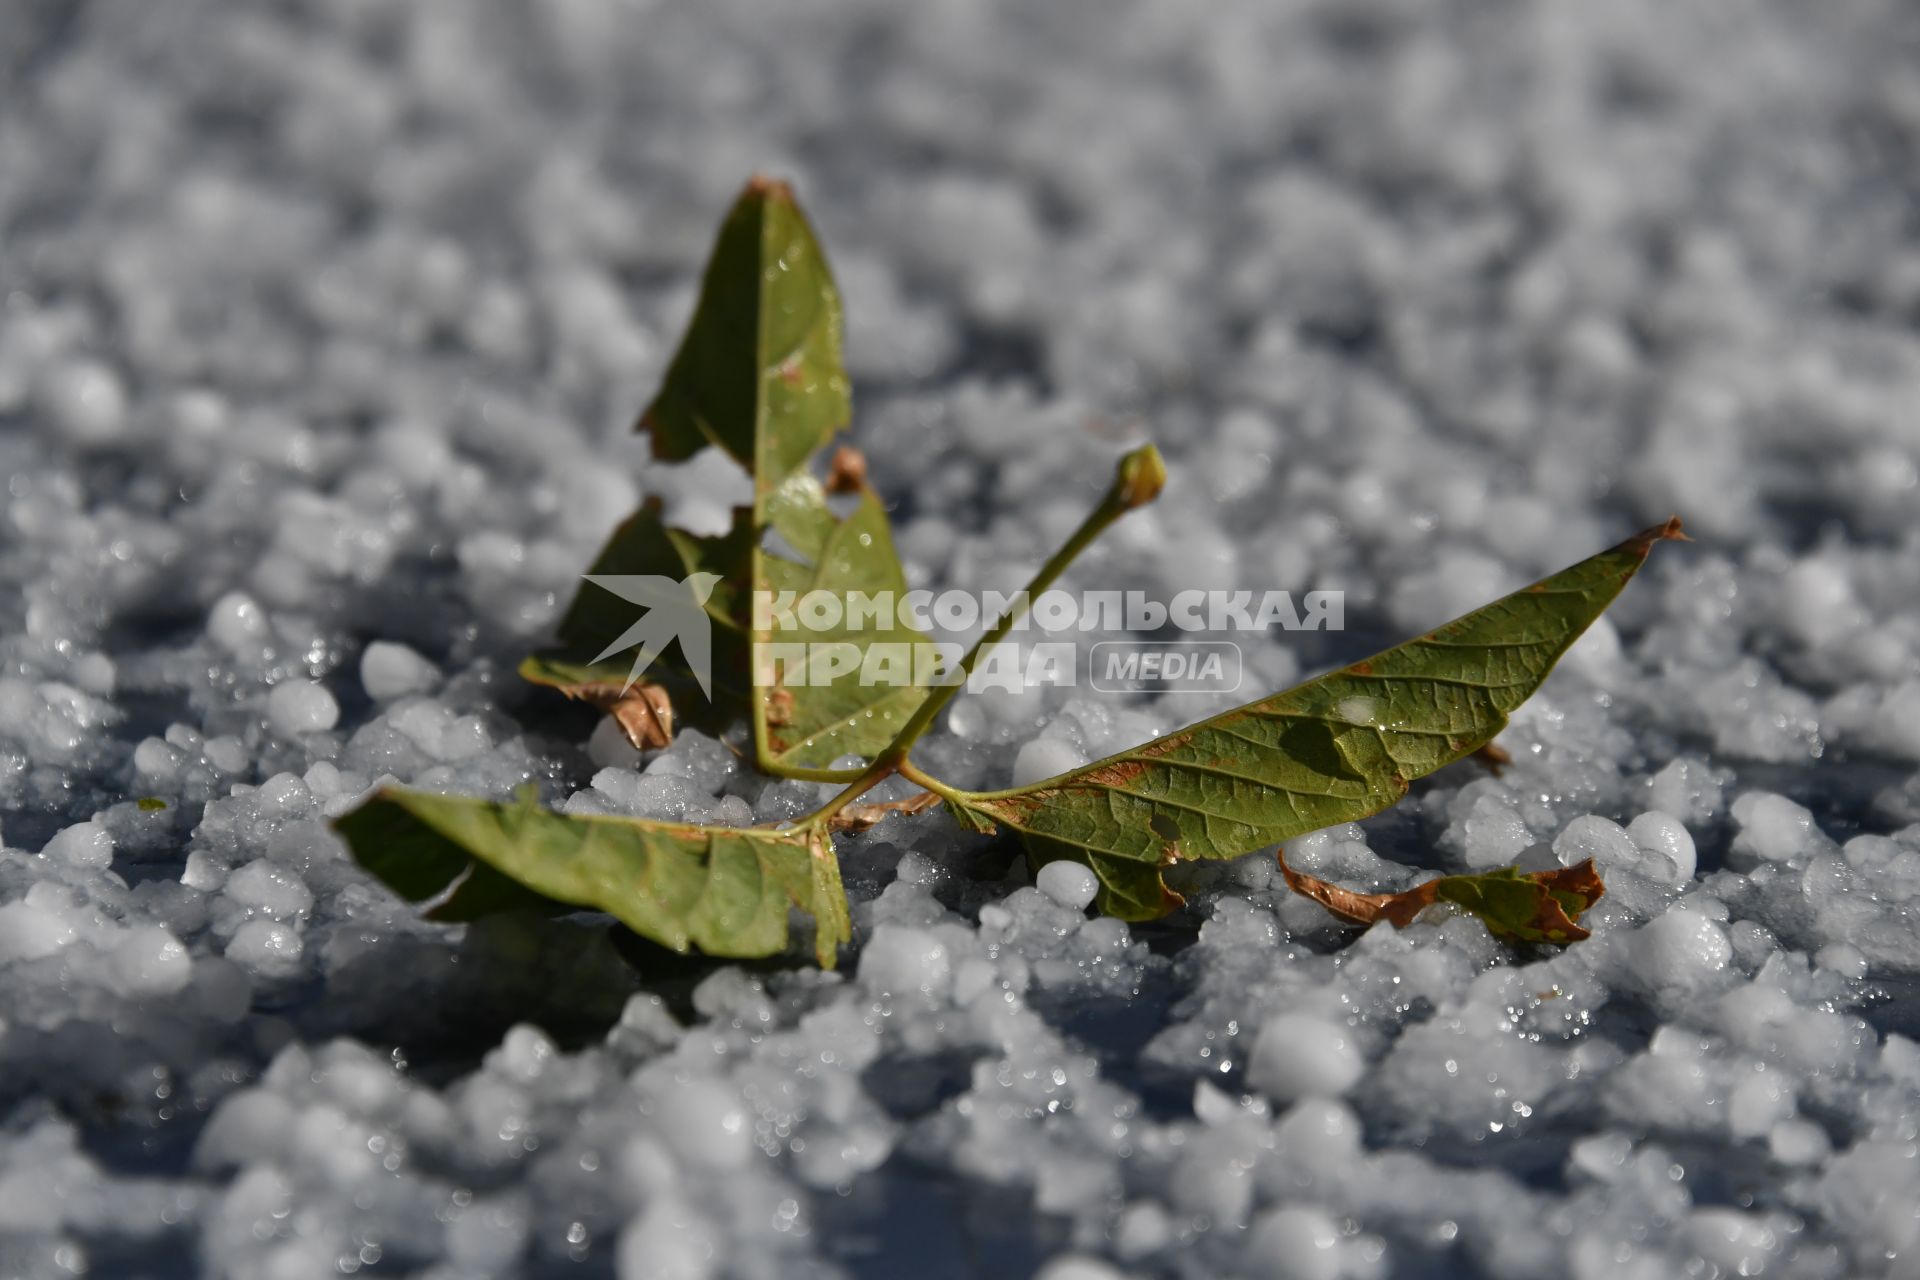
(759, 375)
(813, 723)
(643, 711)
(1540, 906)
(723, 890)
(863, 817)
(1335, 749)
(759, 372)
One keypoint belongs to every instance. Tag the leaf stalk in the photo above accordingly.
(1137, 481)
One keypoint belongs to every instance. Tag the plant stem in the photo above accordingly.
(799, 774)
(876, 773)
(921, 778)
(756, 640)
(1136, 482)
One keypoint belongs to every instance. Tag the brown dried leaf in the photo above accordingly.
(643, 711)
(1542, 906)
(847, 472)
(859, 817)
(1357, 907)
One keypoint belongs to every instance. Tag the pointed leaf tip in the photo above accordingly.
(1669, 530)
(1335, 749)
(758, 374)
(766, 187)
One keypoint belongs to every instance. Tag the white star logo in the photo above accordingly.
(674, 609)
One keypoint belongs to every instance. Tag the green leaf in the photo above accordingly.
(759, 371)
(810, 725)
(1333, 750)
(723, 890)
(1538, 907)
(759, 374)
(644, 544)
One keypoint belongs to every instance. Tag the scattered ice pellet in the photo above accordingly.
(669, 1241)
(898, 960)
(1896, 721)
(29, 931)
(1687, 788)
(226, 753)
(1302, 1056)
(248, 1126)
(1774, 827)
(966, 720)
(237, 624)
(266, 948)
(1816, 604)
(1068, 883)
(85, 844)
(156, 761)
(1757, 1103)
(1680, 951)
(1734, 1243)
(917, 868)
(302, 706)
(1044, 758)
(707, 1125)
(1602, 1157)
(1494, 834)
(282, 795)
(323, 780)
(609, 747)
(202, 872)
(95, 674)
(1295, 1243)
(269, 889)
(1143, 1229)
(1798, 1142)
(149, 961)
(1666, 847)
(1607, 843)
(1079, 1267)
(87, 402)
(1842, 958)
(390, 670)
